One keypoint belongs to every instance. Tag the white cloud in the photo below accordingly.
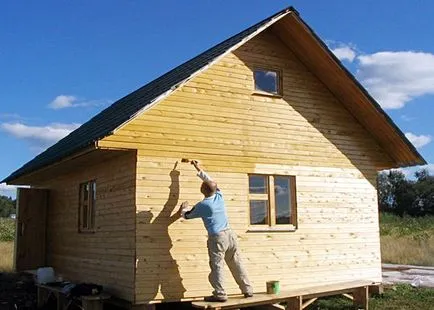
(271, 74)
(7, 190)
(344, 52)
(280, 190)
(410, 171)
(395, 78)
(69, 101)
(40, 137)
(62, 101)
(429, 167)
(418, 141)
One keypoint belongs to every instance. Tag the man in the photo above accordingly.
(222, 242)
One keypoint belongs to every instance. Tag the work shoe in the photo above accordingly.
(215, 298)
(247, 295)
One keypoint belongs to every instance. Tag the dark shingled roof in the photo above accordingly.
(104, 123)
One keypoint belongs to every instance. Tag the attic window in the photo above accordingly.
(267, 81)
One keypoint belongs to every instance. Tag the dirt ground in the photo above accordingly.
(17, 291)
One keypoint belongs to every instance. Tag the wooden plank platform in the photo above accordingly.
(296, 296)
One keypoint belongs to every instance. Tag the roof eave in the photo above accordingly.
(14, 177)
(413, 157)
(257, 28)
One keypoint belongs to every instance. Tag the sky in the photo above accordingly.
(61, 62)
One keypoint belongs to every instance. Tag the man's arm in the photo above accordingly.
(203, 175)
(190, 214)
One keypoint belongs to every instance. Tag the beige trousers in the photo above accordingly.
(223, 247)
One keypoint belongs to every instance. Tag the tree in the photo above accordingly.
(424, 189)
(395, 193)
(404, 194)
(385, 192)
(7, 206)
(400, 195)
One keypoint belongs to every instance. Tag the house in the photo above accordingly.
(294, 141)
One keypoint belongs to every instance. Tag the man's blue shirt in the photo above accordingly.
(213, 213)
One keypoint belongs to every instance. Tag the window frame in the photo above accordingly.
(270, 197)
(91, 207)
(279, 82)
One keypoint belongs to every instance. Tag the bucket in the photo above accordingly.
(45, 275)
(273, 287)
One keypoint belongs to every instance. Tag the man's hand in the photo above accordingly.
(184, 208)
(195, 163)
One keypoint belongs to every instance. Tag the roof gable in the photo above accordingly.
(125, 109)
(120, 112)
(315, 54)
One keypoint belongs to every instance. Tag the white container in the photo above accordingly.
(45, 275)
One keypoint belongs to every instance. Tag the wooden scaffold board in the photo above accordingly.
(298, 299)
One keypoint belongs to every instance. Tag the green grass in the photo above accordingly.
(7, 236)
(407, 240)
(7, 229)
(401, 297)
(418, 228)
(404, 240)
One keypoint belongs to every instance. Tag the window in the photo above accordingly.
(267, 81)
(87, 206)
(272, 201)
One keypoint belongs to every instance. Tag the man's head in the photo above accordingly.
(208, 188)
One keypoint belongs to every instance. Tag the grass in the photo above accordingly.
(7, 235)
(418, 228)
(402, 296)
(6, 257)
(407, 240)
(407, 251)
(403, 241)
(7, 229)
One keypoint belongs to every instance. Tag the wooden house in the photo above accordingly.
(293, 140)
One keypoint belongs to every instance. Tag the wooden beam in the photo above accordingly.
(294, 297)
(310, 301)
(295, 303)
(361, 297)
(271, 307)
(376, 289)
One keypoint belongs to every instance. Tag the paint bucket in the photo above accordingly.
(45, 275)
(273, 287)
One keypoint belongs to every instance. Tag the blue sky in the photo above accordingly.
(61, 62)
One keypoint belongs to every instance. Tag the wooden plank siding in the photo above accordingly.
(216, 119)
(107, 256)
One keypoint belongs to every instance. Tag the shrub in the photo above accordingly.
(7, 229)
(418, 228)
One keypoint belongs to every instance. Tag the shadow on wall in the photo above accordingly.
(157, 270)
